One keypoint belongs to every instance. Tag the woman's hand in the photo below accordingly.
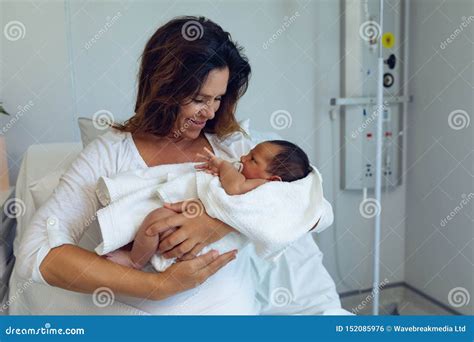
(195, 230)
(185, 275)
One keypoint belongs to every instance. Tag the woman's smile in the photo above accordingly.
(197, 123)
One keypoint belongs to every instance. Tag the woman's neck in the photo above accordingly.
(164, 150)
(178, 141)
(184, 143)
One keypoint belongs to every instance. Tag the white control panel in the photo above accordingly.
(359, 124)
(359, 80)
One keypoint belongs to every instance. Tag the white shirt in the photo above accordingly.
(68, 217)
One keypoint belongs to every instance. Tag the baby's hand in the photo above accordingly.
(212, 163)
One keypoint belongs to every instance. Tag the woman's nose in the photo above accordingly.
(208, 111)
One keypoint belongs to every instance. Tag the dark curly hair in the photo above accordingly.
(291, 163)
(174, 65)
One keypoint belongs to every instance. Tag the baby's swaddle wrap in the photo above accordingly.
(181, 187)
(272, 216)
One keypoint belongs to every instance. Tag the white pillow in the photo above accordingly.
(43, 188)
(90, 129)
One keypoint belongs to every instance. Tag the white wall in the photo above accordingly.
(34, 74)
(440, 160)
(298, 72)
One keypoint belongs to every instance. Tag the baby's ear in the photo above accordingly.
(274, 178)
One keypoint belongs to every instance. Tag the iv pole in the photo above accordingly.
(378, 168)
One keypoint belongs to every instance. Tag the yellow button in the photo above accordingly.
(388, 40)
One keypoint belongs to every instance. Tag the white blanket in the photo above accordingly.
(272, 216)
(128, 202)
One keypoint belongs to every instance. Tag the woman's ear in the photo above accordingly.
(274, 178)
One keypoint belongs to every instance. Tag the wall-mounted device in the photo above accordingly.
(358, 103)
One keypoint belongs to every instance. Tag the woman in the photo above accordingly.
(186, 87)
(188, 90)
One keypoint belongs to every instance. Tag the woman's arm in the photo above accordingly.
(75, 269)
(64, 218)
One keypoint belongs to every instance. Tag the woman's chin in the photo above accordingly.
(192, 134)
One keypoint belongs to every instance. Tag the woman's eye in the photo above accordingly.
(202, 101)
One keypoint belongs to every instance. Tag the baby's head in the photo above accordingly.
(276, 160)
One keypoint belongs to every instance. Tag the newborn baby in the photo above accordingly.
(275, 160)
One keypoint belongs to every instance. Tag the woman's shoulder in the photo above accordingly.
(112, 138)
(112, 145)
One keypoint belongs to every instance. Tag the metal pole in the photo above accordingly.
(378, 169)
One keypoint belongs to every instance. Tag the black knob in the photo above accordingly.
(391, 61)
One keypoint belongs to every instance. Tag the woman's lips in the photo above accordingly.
(196, 123)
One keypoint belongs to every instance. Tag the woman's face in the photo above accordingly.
(195, 112)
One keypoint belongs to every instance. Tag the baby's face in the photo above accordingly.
(256, 162)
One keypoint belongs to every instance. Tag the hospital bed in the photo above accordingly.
(286, 287)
